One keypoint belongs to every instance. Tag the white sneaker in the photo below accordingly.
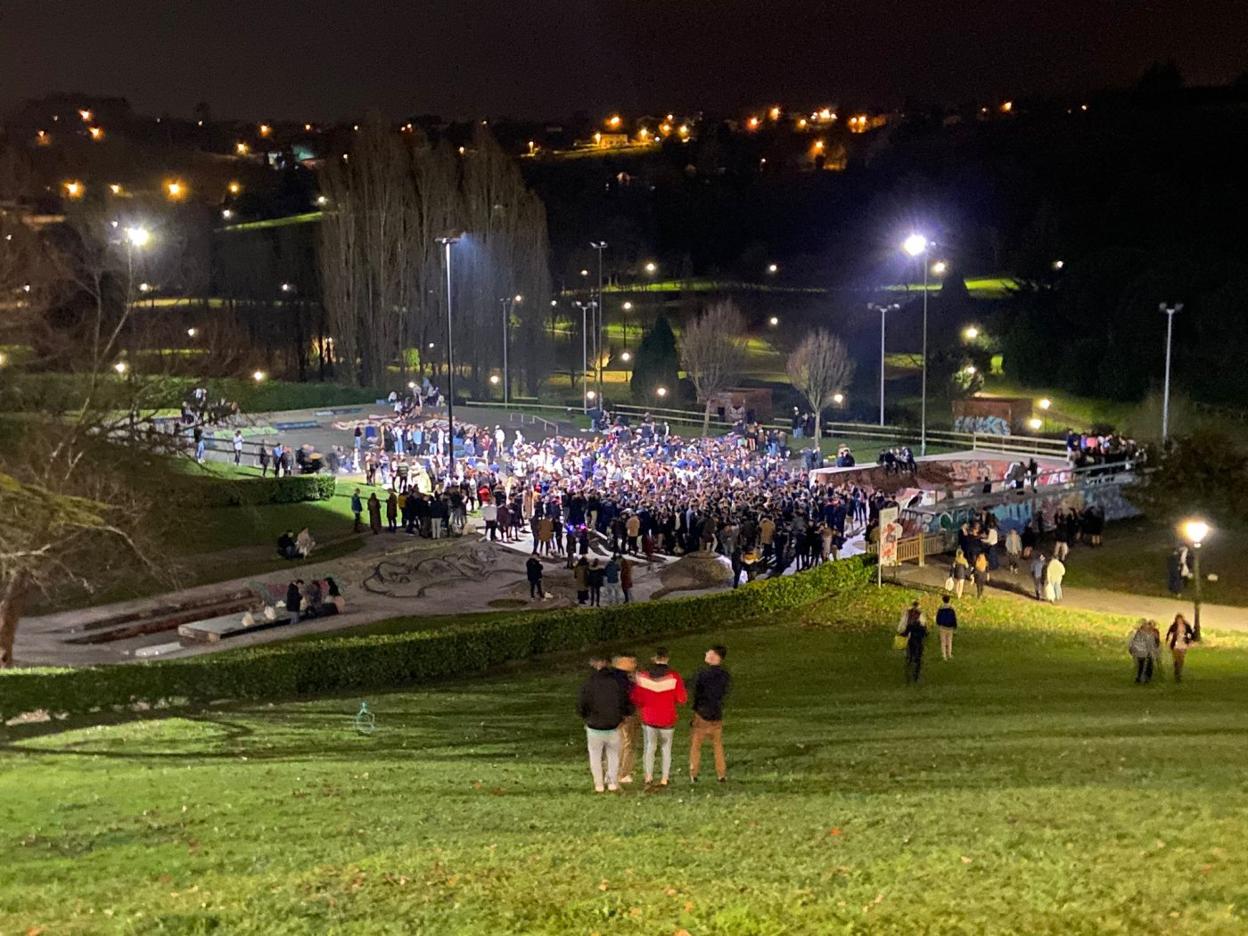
(628, 779)
(599, 788)
(613, 787)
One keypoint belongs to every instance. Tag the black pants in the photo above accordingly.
(1144, 669)
(535, 589)
(914, 662)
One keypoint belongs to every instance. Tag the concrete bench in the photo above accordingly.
(211, 630)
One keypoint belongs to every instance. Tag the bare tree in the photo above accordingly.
(820, 367)
(711, 351)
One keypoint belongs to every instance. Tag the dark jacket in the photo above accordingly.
(604, 701)
(710, 688)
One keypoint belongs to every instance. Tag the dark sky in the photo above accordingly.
(322, 60)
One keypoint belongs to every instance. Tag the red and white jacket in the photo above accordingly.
(656, 694)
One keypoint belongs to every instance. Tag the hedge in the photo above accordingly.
(253, 492)
(383, 662)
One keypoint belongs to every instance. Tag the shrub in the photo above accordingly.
(380, 662)
(253, 492)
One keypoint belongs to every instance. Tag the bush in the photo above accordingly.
(381, 662)
(253, 492)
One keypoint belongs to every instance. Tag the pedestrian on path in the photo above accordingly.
(1037, 574)
(533, 571)
(357, 508)
(603, 705)
(710, 689)
(946, 624)
(1144, 647)
(1055, 573)
(659, 689)
(1013, 549)
(960, 571)
(981, 573)
(1179, 637)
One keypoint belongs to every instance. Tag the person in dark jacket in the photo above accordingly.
(604, 703)
(914, 629)
(710, 688)
(533, 570)
(294, 599)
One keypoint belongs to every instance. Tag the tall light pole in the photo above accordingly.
(883, 310)
(508, 303)
(1165, 394)
(1195, 531)
(917, 245)
(600, 312)
(446, 243)
(584, 307)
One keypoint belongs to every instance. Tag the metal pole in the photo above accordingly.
(1196, 574)
(923, 429)
(883, 312)
(506, 304)
(584, 358)
(450, 372)
(1165, 396)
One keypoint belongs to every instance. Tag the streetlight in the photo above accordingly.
(661, 392)
(192, 332)
(600, 313)
(772, 268)
(1045, 403)
(138, 236)
(970, 333)
(917, 245)
(507, 303)
(584, 307)
(1195, 531)
(1165, 396)
(773, 321)
(940, 268)
(838, 398)
(446, 243)
(883, 310)
(651, 267)
(258, 376)
(120, 367)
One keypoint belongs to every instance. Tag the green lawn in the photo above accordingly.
(1133, 559)
(1026, 787)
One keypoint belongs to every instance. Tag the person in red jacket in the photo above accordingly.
(657, 692)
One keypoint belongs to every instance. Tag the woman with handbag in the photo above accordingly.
(959, 572)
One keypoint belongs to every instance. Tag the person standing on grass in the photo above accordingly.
(960, 571)
(1013, 549)
(603, 705)
(659, 689)
(914, 628)
(624, 668)
(946, 625)
(1144, 646)
(1179, 637)
(374, 513)
(1055, 573)
(392, 512)
(710, 688)
(264, 460)
(238, 448)
(357, 508)
(1037, 574)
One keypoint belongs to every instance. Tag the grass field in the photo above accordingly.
(1028, 786)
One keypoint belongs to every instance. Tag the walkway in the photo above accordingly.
(1019, 586)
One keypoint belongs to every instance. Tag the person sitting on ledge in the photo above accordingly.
(286, 547)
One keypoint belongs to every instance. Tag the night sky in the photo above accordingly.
(321, 60)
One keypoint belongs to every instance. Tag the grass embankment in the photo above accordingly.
(1027, 786)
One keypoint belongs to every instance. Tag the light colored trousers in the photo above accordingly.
(662, 739)
(613, 593)
(599, 743)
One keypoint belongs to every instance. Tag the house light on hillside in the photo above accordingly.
(175, 189)
(97, 133)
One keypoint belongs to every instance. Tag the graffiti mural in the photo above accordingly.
(410, 577)
(984, 425)
(1014, 514)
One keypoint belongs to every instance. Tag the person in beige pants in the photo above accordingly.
(630, 728)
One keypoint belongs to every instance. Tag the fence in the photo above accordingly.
(918, 548)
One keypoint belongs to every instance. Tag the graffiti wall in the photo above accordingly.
(984, 425)
(1015, 512)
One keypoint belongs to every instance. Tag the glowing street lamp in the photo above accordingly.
(494, 379)
(1045, 403)
(838, 398)
(258, 376)
(287, 287)
(614, 121)
(626, 356)
(1196, 531)
(773, 321)
(1058, 264)
(265, 130)
(192, 332)
(75, 189)
(321, 201)
(661, 392)
(175, 190)
(115, 188)
(939, 268)
(138, 236)
(774, 113)
(226, 213)
(241, 148)
(86, 116)
(121, 367)
(772, 268)
(234, 187)
(97, 133)
(970, 333)
(1035, 423)
(651, 267)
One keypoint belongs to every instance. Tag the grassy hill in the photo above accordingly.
(1026, 786)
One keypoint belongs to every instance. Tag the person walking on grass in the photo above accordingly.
(914, 628)
(1179, 637)
(357, 508)
(533, 572)
(946, 625)
(710, 689)
(1013, 550)
(1144, 646)
(238, 448)
(657, 692)
(624, 667)
(603, 704)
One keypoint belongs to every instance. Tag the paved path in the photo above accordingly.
(1019, 586)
